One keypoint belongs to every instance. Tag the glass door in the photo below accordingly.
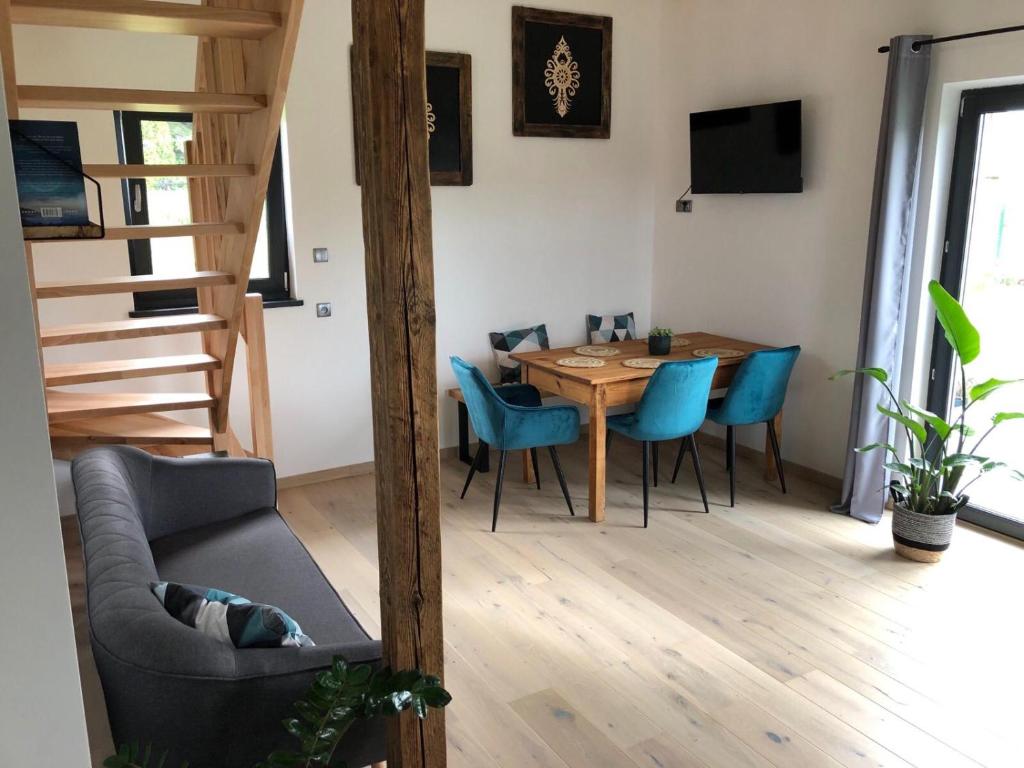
(984, 267)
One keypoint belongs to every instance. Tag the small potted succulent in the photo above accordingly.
(927, 486)
(659, 341)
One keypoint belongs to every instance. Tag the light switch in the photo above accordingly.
(321, 256)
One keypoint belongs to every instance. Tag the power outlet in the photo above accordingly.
(323, 309)
(321, 256)
(684, 206)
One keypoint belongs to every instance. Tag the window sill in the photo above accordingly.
(269, 304)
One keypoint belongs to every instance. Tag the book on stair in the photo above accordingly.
(51, 185)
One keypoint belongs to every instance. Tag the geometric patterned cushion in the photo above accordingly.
(230, 618)
(524, 340)
(611, 328)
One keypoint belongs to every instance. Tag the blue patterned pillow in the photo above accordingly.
(230, 618)
(604, 328)
(524, 340)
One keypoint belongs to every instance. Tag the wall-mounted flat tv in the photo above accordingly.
(747, 149)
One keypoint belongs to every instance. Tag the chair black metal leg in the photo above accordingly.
(536, 467)
(497, 489)
(472, 468)
(683, 444)
(647, 451)
(730, 443)
(464, 455)
(561, 478)
(654, 452)
(699, 471)
(773, 436)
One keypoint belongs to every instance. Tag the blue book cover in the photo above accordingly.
(47, 164)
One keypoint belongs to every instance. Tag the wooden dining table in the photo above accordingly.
(615, 384)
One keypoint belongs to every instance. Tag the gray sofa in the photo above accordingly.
(212, 523)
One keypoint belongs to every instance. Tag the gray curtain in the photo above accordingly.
(890, 245)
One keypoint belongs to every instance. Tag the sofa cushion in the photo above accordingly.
(605, 328)
(258, 556)
(230, 618)
(506, 343)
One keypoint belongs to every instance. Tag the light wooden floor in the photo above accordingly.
(772, 634)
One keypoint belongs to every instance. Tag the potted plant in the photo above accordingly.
(928, 485)
(659, 341)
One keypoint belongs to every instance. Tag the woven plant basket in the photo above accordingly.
(922, 538)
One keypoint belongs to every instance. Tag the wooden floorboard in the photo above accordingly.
(771, 634)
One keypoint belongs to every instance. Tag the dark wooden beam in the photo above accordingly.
(390, 75)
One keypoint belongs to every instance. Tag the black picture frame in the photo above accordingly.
(561, 74)
(450, 104)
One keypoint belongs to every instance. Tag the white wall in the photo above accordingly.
(550, 230)
(789, 269)
(40, 695)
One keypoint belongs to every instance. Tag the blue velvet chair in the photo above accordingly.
(756, 395)
(674, 405)
(511, 418)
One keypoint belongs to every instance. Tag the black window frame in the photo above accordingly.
(275, 289)
(974, 105)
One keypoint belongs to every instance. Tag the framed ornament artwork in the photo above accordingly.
(561, 74)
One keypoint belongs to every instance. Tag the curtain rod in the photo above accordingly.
(983, 33)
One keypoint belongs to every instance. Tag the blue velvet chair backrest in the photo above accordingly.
(675, 401)
(759, 388)
(486, 408)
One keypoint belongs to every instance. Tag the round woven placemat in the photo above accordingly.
(596, 351)
(642, 362)
(580, 362)
(679, 341)
(719, 352)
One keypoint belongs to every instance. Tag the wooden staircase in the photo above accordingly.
(244, 56)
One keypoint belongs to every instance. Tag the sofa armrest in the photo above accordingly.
(189, 493)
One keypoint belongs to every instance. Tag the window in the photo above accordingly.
(155, 138)
(983, 265)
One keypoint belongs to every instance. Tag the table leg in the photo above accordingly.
(770, 470)
(598, 435)
(527, 462)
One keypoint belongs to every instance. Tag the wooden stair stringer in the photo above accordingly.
(238, 66)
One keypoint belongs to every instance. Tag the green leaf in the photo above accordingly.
(878, 374)
(915, 427)
(1016, 474)
(903, 469)
(999, 418)
(939, 424)
(986, 388)
(875, 446)
(990, 466)
(960, 332)
(962, 460)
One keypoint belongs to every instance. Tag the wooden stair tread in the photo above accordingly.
(190, 170)
(146, 16)
(136, 429)
(146, 231)
(62, 374)
(84, 333)
(71, 406)
(68, 97)
(134, 284)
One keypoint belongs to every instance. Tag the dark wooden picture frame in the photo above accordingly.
(451, 160)
(583, 33)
